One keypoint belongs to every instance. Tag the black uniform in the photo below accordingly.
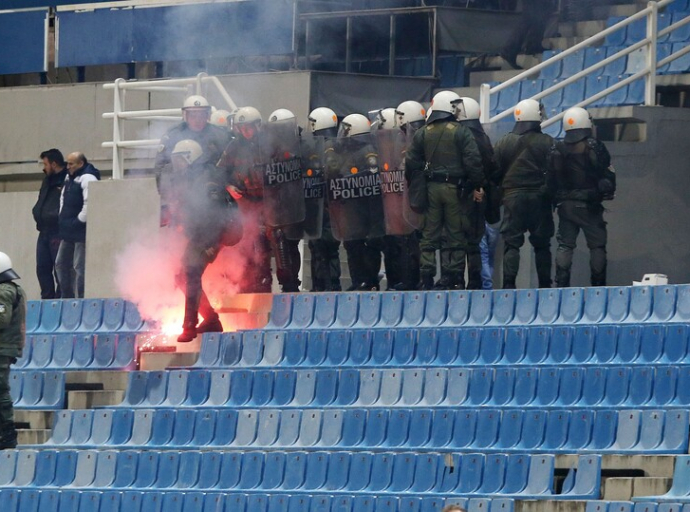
(205, 210)
(522, 158)
(45, 212)
(580, 178)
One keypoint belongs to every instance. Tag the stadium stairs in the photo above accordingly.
(569, 399)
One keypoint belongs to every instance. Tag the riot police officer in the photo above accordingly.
(324, 250)
(580, 178)
(467, 112)
(522, 157)
(207, 215)
(12, 332)
(354, 199)
(244, 161)
(446, 154)
(212, 139)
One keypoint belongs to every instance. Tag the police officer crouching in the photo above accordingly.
(580, 177)
(207, 215)
(12, 332)
(447, 155)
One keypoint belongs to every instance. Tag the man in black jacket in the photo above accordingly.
(45, 213)
(71, 258)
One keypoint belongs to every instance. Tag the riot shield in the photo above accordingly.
(353, 185)
(283, 189)
(416, 220)
(314, 186)
(391, 146)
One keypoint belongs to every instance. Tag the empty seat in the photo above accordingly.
(414, 309)
(369, 309)
(548, 306)
(458, 308)
(113, 315)
(553, 70)
(132, 319)
(326, 305)
(33, 315)
(347, 310)
(503, 307)
(509, 97)
(572, 302)
(50, 316)
(436, 308)
(525, 307)
(531, 88)
(274, 348)
(573, 93)
(70, 317)
(302, 311)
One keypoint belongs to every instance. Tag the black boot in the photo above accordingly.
(189, 332)
(508, 282)
(426, 282)
(210, 324)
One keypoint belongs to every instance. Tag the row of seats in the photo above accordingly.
(524, 476)
(78, 352)
(559, 345)
(389, 429)
(83, 315)
(481, 307)
(27, 500)
(550, 387)
(629, 506)
(37, 389)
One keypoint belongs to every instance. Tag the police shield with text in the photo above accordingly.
(284, 206)
(323, 247)
(354, 198)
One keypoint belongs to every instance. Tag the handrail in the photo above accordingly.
(120, 114)
(649, 73)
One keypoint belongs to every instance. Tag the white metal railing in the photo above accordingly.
(649, 73)
(119, 114)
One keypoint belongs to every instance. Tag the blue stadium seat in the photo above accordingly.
(573, 63)
(652, 344)
(573, 93)
(404, 347)
(491, 350)
(369, 309)
(504, 386)
(682, 304)
(413, 309)
(427, 347)
(494, 98)
(556, 432)
(436, 309)
(579, 430)
(113, 315)
(325, 308)
(33, 315)
(464, 428)
(295, 347)
(540, 477)
(41, 351)
(63, 347)
(663, 50)
(605, 344)
(17, 386)
(226, 428)
(547, 386)
(509, 97)
(525, 307)
(91, 316)
(8, 467)
(618, 37)
(481, 381)
(25, 360)
(275, 469)
(503, 307)
(651, 431)
(274, 348)
(25, 468)
(391, 387)
(665, 383)
(552, 102)
(561, 348)
(537, 345)
(617, 385)
(515, 345)
(297, 462)
(70, 501)
(663, 303)
(621, 506)
(488, 422)
(209, 352)
(82, 422)
(616, 67)
(548, 306)
(424, 478)
(628, 430)
(252, 348)
(391, 309)
(435, 386)
(447, 347)
(677, 6)
(595, 85)
(104, 350)
(50, 316)
(531, 88)
(628, 344)
(680, 35)
(347, 310)
(28, 501)
(70, 316)
(471, 473)
(126, 470)
(412, 386)
(46, 462)
(676, 343)
(106, 464)
(176, 394)
(594, 55)
(510, 430)
(604, 429)
(85, 470)
(162, 425)
(458, 308)
(132, 319)
(83, 352)
(570, 386)
(360, 471)
(258, 502)
(183, 431)
(65, 468)
(468, 342)
(571, 306)
(326, 387)
(587, 480)
(675, 439)
(262, 388)
(552, 71)
(533, 430)
(302, 311)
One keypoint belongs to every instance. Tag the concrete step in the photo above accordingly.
(33, 419)
(156, 361)
(106, 380)
(603, 12)
(624, 488)
(33, 436)
(581, 28)
(497, 63)
(659, 466)
(92, 399)
(478, 78)
(563, 43)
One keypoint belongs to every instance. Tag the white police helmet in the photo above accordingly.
(466, 109)
(188, 149)
(322, 118)
(529, 110)
(354, 124)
